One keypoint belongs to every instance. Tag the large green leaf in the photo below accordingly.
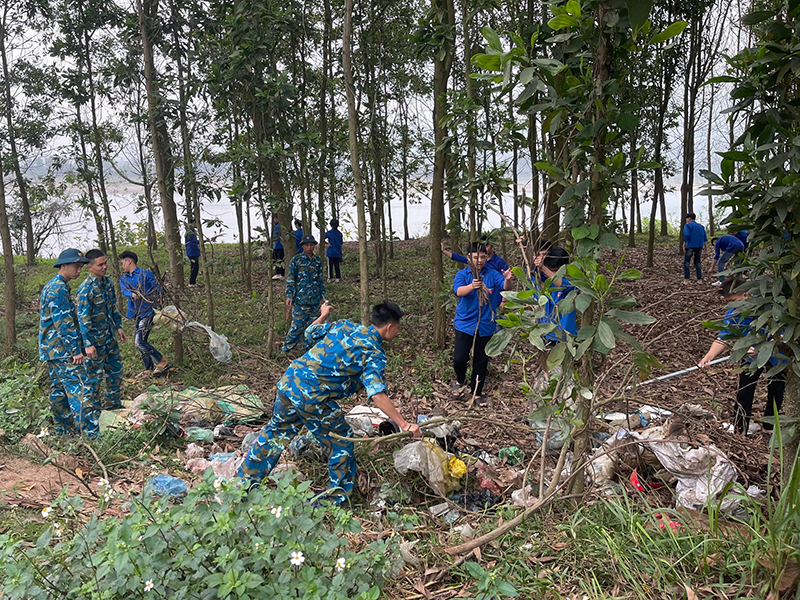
(757, 16)
(500, 340)
(606, 335)
(668, 33)
(493, 38)
(556, 356)
(631, 316)
(562, 21)
(630, 274)
(609, 240)
(638, 12)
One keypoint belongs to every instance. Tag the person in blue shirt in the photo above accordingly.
(142, 290)
(694, 238)
(298, 235)
(738, 325)
(334, 252)
(725, 248)
(475, 323)
(305, 292)
(559, 289)
(278, 256)
(742, 235)
(346, 357)
(493, 260)
(61, 348)
(101, 330)
(192, 253)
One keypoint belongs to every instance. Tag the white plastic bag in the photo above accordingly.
(219, 346)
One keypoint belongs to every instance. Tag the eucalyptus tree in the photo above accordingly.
(10, 296)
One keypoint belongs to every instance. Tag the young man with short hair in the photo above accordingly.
(559, 289)
(493, 260)
(725, 248)
(278, 254)
(694, 238)
(142, 290)
(192, 253)
(101, 326)
(305, 292)
(298, 235)
(346, 357)
(334, 251)
(475, 321)
(61, 348)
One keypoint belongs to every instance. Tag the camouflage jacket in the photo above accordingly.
(98, 316)
(59, 333)
(345, 358)
(304, 282)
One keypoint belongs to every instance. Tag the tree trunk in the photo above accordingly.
(162, 155)
(10, 298)
(352, 122)
(30, 250)
(791, 407)
(323, 126)
(708, 162)
(634, 192)
(442, 63)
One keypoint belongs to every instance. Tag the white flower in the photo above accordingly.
(148, 585)
(218, 483)
(103, 483)
(107, 497)
(57, 529)
(139, 539)
(340, 564)
(297, 558)
(43, 433)
(277, 512)
(46, 511)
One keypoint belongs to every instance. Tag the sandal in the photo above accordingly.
(144, 374)
(481, 402)
(159, 372)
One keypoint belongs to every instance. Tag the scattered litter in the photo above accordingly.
(408, 556)
(169, 315)
(302, 445)
(641, 484)
(198, 434)
(363, 419)
(433, 463)
(199, 406)
(695, 410)
(226, 464)
(523, 497)
(452, 516)
(437, 510)
(466, 531)
(194, 451)
(664, 521)
(511, 455)
(497, 477)
(556, 436)
(476, 502)
(197, 465)
(219, 346)
(702, 473)
(288, 469)
(249, 440)
(222, 431)
(168, 485)
(390, 494)
(752, 429)
(388, 428)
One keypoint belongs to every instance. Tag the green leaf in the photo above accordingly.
(556, 356)
(609, 240)
(506, 590)
(726, 168)
(562, 21)
(582, 302)
(668, 33)
(757, 16)
(519, 273)
(500, 340)
(580, 232)
(605, 334)
(638, 12)
(630, 274)
(574, 8)
(487, 62)
(475, 570)
(631, 316)
(627, 121)
(765, 353)
(493, 38)
(549, 65)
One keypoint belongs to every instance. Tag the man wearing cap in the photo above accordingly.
(101, 326)
(61, 347)
(305, 292)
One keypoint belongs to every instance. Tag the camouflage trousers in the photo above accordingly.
(302, 317)
(108, 366)
(321, 419)
(72, 398)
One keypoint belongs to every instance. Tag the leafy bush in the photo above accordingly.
(23, 407)
(220, 543)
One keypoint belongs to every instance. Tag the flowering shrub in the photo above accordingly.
(221, 542)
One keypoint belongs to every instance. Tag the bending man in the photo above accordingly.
(346, 357)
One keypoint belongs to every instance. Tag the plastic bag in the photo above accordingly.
(226, 464)
(433, 463)
(219, 346)
(249, 440)
(194, 451)
(167, 484)
(302, 445)
(197, 466)
(169, 315)
(198, 434)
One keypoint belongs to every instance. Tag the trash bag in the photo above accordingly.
(433, 463)
(302, 445)
(169, 315)
(476, 502)
(167, 484)
(219, 346)
(198, 434)
(363, 419)
(226, 464)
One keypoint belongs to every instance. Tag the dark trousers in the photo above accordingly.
(277, 260)
(463, 346)
(150, 356)
(333, 266)
(194, 267)
(746, 393)
(687, 256)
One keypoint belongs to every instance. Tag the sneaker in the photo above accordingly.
(456, 387)
(336, 280)
(716, 284)
(277, 277)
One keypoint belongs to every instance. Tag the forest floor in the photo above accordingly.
(566, 550)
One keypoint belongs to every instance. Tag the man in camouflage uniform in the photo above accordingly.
(346, 357)
(101, 325)
(60, 346)
(305, 292)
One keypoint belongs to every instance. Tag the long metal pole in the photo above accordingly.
(676, 373)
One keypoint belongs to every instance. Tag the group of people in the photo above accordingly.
(79, 338)
(726, 248)
(333, 251)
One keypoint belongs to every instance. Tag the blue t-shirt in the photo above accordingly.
(739, 326)
(694, 235)
(742, 237)
(277, 244)
(466, 319)
(298, 237)
(146, 286)
(495, 263)
(192, 245)
(728, 243)
(335, 239)
(566, 322)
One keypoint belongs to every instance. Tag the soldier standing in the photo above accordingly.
(305, 292)
(101, 326)
(60, 346)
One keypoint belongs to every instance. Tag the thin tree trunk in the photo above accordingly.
(404, 108)
(352, 122)
(84, 172)
(10, 298)
(708, 162)
(634, 192)
(323, 126)
(163, 160)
